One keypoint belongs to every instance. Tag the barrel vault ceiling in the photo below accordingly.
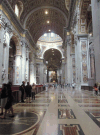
(35, 20)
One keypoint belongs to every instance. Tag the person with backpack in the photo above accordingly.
(22, 89)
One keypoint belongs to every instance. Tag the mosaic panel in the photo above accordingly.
(83, 97)
(90, 110)
(74, 69)
(89, 105)
(42, 101)
(42, 96)
(62, 101)
(95, 116)
(72, 129)
(84, 61)
(87, 100)
(63, 105)
(66, 114)
(62, 96)
(32, 105)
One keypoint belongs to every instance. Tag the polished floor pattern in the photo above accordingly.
(55, 112)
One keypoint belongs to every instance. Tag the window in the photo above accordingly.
(16, 10)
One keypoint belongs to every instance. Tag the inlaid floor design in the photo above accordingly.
(61, 111)
(64, 129)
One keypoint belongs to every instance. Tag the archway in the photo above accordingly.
(53, 61)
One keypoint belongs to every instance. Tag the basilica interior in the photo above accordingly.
(53, 44)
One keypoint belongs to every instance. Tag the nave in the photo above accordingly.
(56, 112)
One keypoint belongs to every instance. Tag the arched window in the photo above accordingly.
(17, 10)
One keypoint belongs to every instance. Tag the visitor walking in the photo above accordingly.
(22, 89)
(28, 89)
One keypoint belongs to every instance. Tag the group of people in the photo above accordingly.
(7, 97)
(28, 90)
(6, 100)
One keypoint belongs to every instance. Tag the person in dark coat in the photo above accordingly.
(28, 92)
(3, 97)
(22, 89)
(8, 105)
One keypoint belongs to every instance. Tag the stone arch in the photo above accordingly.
(16, 39)
(53, 48)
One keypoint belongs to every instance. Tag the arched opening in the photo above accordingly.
(12, 53)
(50, 52)
(53, 61)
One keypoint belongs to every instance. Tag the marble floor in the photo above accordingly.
(55, 112)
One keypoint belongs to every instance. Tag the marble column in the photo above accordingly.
(27, 65)
(32, 69)
(69, 62)
(78, 62)
(23, 48)
(35, 72)
(47, 76)
(1, 51)
(63, 72)
(41, 73)
(31, 72)
(17, 70)
(92, 65)
(96, 34)
(73, 68)
(66, 80)
(83, 46)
